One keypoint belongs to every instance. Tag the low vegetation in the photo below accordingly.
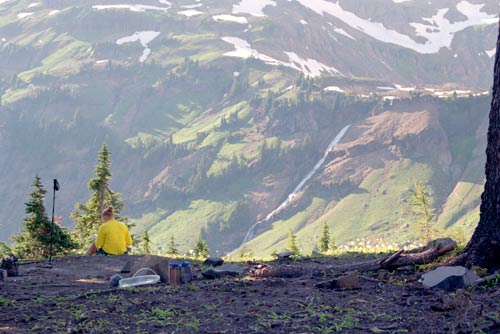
(74, 297)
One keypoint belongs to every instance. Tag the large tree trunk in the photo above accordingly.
(484, 248)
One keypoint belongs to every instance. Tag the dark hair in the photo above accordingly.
(108, 212)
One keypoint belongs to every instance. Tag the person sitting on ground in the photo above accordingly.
(113, 237)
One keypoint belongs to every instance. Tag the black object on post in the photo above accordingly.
(55, 188)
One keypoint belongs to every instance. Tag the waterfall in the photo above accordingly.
(250, 234)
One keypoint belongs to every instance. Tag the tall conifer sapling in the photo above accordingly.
(88, 216)
(324, 243)
(292, 244)
(172, 249)
(145, 243)
(35, 239)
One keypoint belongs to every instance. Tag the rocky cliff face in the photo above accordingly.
(389, 136)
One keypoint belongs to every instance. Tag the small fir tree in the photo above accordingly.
(324, 243)
(172, 250)
(88, 216)
(292, 244)
(145, 243)
(201, 249)
(38, 232)
(420, 206)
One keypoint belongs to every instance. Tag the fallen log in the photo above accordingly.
(401, 258)
(391, 259)
(285, 271)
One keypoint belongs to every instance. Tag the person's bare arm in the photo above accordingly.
(92, 249)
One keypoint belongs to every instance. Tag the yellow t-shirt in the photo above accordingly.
(113, 237)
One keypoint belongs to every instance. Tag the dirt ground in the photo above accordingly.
(73, 295)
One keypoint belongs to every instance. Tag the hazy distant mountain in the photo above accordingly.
(215, 111)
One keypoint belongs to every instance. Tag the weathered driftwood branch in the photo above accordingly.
(401, 258)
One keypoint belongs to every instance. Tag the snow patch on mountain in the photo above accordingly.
(133, 8)
(343, 32)
(54, 12)
(439, 31)
(243, 49)
(230, 18)
(190, 12)
(491, 53)
(451, 93)
(333, 89)
(34, 4)
(144, 37)
(310, 67)
(24, 15)
(253, 7)
(404, 89)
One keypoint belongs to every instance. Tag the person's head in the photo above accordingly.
(107, 214)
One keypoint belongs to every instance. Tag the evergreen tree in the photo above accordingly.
(420, 206)
(264, 152)
(299, 80)
(145, 243)
(269, 101)
(292, 244)
(223, 123)
(324, 243)
(199, 178)
(88, 216)
(201, 249)
(233, 118)
(38, 231)
(234, 165)
(172, 250)
(5, 250)
(309, 88)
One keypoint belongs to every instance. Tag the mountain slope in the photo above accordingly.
(364, 190)
(214, 111)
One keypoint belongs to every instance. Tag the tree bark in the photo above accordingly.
(483, 249)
